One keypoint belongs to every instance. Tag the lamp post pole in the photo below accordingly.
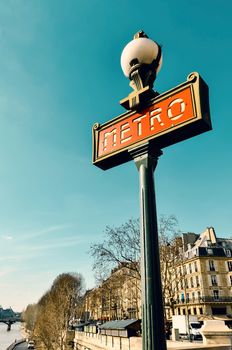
(153, 335)
(152, 122)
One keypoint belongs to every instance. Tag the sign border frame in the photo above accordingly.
(200, 123)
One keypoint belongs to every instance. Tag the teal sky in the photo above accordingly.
(59, 74)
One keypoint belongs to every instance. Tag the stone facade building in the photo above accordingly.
(118, 297)
(203, 284)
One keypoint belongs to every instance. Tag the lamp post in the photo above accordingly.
(141, 60)
(151, 123)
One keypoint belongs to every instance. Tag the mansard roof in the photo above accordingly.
(212, 251)
(206, 244)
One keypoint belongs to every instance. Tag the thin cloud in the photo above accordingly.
(31, 250)
(61, 243)
(44, 231)
(8, 258)
(7, 271)
(7, 237)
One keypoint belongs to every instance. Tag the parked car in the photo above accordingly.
(31, 344)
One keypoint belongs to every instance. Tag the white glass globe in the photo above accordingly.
(144, 49)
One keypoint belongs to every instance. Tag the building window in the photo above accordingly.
(194, 311)
(182, 297)
(191, 282)
(212, 266)
(216, 294)
(214, 280)
(228, 253)
(199, 295)
(195, 265)
(229, 265)
(219, 310)
(197, 281)
(200, 310)
(190, 268)
(184, 269)
(210, 251)
(187, 297)
(186, 283)
(181, 284)
(193, 296)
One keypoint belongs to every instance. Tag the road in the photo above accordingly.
(22, 346)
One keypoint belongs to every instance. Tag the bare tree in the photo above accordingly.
(66, 290)
(117, 263)
(121, 250)
(47, 329)
(169, 248)
(56, 309)
(29, 316)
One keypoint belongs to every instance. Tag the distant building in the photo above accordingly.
(6, 314)
(116, 298)
(203, 283)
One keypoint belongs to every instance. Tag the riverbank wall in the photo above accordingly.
(91, 341)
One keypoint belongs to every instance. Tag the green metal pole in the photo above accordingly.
(153, 335)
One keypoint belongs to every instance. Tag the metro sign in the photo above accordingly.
(173, 116)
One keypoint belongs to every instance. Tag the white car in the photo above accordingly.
(31, 344)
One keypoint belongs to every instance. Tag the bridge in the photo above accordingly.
(8, 316)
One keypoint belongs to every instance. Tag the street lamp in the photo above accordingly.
(151, 123)
(141, 60)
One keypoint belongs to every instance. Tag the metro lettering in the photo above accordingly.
(182, 109)
(155, 115)
(112, 133)
(139, 124)
(157, 118)
(124, 129)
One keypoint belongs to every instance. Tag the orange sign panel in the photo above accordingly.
(153, 120)
(165, 121)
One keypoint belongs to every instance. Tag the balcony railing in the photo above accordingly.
(204, 299)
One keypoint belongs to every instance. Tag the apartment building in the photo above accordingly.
(203, 284)
(118, 297)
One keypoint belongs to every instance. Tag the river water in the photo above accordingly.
(7, 338)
